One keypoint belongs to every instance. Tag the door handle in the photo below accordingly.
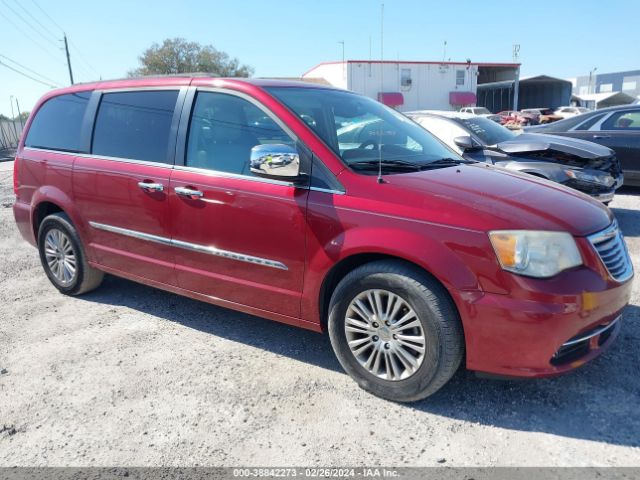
(189, 192)
(602, 136)
(151, 187)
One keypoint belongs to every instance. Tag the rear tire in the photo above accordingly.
(63, 258)
(379, 347)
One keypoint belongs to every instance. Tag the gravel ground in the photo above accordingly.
(129, 375)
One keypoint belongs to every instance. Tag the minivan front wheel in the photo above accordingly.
(63, 257)
(395, 330)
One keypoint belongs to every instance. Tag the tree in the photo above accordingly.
(176, 55)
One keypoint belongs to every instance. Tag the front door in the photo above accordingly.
(121, 187)
(238, 237)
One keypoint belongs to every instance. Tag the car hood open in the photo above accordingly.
(535, 142)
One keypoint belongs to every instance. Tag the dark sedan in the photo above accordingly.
(615, 127)
(585, 166)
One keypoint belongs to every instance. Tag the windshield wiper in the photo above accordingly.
(446, 162)
(397, 164)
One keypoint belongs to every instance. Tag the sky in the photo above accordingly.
(284, 38)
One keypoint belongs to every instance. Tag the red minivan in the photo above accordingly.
(237, 192)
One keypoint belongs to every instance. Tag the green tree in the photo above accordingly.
(176, 55)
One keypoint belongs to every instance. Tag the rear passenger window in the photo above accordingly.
(58, 123)
(223, 130)
(135, 125)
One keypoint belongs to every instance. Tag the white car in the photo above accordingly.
(481, 112)
(566, 112)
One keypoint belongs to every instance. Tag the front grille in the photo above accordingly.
(612, 250)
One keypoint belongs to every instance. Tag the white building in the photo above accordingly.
(413, 85)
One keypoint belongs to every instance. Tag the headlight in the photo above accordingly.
(535, 254)
(603, 179)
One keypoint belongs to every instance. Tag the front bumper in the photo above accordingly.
(528, 333)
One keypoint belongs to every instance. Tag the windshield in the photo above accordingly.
(481, 111)
(488, 131)
(360, 129)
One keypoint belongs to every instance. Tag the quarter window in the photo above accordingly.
(223, 130)
(135, 125)
(58, 123)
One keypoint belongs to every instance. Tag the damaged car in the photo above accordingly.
(585, 166)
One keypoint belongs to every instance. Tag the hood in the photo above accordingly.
(535, 142)
(482, 197)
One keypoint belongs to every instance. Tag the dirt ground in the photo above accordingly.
(128, 375)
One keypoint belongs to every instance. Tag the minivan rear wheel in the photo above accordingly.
(63, 258)
(395, 330)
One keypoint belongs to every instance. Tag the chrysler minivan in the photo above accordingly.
(238, 192)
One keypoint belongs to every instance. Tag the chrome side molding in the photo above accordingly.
(241, 257)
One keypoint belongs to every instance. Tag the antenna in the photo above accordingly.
(380, 180)
(444, 51)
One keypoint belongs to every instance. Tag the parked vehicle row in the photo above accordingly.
(514, 119)
(324, 209)
(617, 128)
(481, 112)
(582, 165)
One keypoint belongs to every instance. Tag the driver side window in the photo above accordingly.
(224, 128)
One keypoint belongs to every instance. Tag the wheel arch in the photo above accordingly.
(41, 211)
(350, 263)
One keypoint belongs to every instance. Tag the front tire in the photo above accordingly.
(63, 258)
(395, 330)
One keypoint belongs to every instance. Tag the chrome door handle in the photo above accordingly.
(188, 192)
(151, 187)
(602, 136)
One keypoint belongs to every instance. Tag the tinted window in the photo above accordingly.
(590, 122)
(223, 130)
(626, 120)
(488, 131)
(360, 129)
(135, 125)
(58, 123)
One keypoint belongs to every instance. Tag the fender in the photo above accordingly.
(447, 254)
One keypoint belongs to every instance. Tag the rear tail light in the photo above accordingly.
(16, 184)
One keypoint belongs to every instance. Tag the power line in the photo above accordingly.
(76, 49)
(26, 75)
(17, 14)
(53, 35)
(47, 15)
(27, 35)
(81, 57)
(31, 70)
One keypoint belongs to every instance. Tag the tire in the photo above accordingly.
(60, 245)
(439, 324)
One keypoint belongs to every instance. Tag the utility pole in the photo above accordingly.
(591, 76)
(516, 83)
(20, 114)
(13, 120)
(66, 48)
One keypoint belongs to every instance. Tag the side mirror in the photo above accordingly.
(465, 142)
(277, 161)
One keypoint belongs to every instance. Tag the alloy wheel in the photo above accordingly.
(60, 256)
(385, 334)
